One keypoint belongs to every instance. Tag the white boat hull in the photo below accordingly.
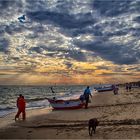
(66, 104)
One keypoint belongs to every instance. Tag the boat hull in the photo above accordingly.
(104, 89)
(66, 104)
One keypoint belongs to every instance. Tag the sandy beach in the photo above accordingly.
(119, 117)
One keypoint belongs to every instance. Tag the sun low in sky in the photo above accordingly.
(69, 41)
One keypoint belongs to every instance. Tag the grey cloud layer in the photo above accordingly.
(119, 54)
(58, 52)
(10, 7)
(74, 18)
(4, 44)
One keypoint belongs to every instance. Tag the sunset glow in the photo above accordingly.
(69, 42)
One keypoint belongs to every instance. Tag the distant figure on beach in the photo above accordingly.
(115, 89)
(87, 93)
(21, 105)
(129, 86)
(126, 86)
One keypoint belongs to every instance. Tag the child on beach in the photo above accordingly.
(21, 104)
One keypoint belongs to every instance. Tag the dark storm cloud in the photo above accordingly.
(137, 19)
(70, 24)
(64, 20)
(2, 30)
(36, 49)
(40, 49)
(4, 44)
(113, 7)
(11, 29)
(46, 51)
(14, 28)
(9, 7)
(59, 52)
(76, 24)
(135, 32)
(118, 54)
(36, 5)
(4, 4)
(95, 30)
(79, 56)
(38, 29)
(60, 14)
(136, 69)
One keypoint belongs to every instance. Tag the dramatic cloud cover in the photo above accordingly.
(69, 41)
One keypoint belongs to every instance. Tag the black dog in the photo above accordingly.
(92, 124)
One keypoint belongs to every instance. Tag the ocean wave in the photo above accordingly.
(35, 96)
(35, 99)
(6, 108)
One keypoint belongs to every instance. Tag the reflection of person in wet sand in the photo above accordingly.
(21, 104)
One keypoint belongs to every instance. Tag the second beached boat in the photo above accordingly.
(103, 89)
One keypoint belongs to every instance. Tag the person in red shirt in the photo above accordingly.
(21, 105)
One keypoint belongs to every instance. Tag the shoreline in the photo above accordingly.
(27, 109)
(38, 103)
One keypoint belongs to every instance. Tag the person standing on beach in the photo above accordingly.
(87, 93)
(115, 89)
(21, 105)
(127, 86)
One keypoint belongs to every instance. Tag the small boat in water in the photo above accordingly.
(66, 104)
(103, 89)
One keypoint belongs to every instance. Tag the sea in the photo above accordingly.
(36, 95)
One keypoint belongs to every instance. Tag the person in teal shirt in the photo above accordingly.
(87, 93)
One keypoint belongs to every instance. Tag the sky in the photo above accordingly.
(69, 42)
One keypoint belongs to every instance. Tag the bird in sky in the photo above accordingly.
(22, 19)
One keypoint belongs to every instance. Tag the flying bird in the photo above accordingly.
(22, 19)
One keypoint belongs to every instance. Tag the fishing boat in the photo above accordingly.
(103, 89)
(66, 104)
